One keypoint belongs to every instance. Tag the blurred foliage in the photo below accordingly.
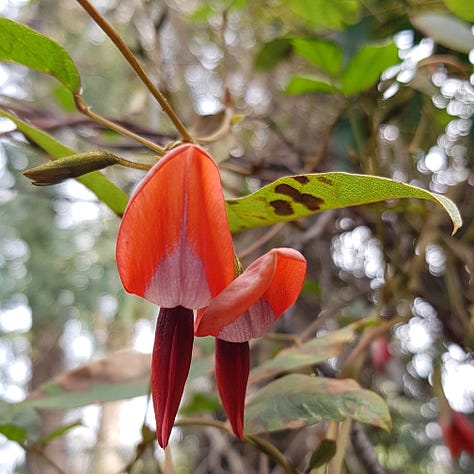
(378, 87)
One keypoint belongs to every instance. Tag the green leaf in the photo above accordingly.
(18, 423)
(58, 432)
(446, 30)
(21, 44)
(366, 66)
(462, 8)
(105, 190)
(310, 353)
(322, 454)
(309, 84)
(118, 376)
(298, 400)
(334, 14)
(14, 433)
(200, 403)
(322, 53)
(271, 53)
(289, 198)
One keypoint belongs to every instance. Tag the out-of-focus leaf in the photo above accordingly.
(298, 400)
(105, 190)
(322, 53)
(446, 30)
(322, 454)
(18, 422)
(21, 44)
(14, 433)
(289, 198)
(272, 52)
(310, 353)
(462, 8)
(309, 84)
(119, 376)
(366, 66)
(56, 171)
(334, 14)
(58, 432)
(200, 403)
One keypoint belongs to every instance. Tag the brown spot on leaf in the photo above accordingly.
(325, 180)
(307, 200)
(288, 190)
(311, 202)
(301, 179)
(282, 208)
(232, 201)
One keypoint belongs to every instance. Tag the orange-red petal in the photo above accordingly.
(248, 306)
(174, 247)
(170, 364)
(232, 372)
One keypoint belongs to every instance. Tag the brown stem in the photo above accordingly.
(85, 109)
(260, 443)
(109, 30)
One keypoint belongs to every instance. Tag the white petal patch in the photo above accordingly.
(180, 277)
(251, 324)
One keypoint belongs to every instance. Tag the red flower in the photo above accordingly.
(174, 248)
(245, 309)
(458, 433)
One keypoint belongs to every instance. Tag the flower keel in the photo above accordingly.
(171, 360)
(232, 366)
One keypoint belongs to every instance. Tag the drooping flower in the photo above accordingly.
(458, 433)
(174, 249)
(245, 309)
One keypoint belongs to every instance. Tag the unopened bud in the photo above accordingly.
(73, 166)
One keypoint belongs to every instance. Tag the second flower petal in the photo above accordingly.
(248, 306)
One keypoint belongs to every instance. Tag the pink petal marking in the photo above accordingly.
(248, 306)
(253, 323)
(174, 246)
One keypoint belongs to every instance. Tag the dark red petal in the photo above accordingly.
(464, 431)
(232, 373)
(174, 246)
(451, 438)
(170, 364)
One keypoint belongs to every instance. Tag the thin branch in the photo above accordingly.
(272, 451)
(109, 30)
(272, 232)
(39, 451)
(260, 443)
(85, 109)
(365, 451)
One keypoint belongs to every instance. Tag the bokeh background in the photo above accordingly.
(61, 302)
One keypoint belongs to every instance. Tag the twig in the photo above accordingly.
(270, 449)
(85, 109)
(261, 444)
(109, 30)
(364, 450)
(262, 240)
